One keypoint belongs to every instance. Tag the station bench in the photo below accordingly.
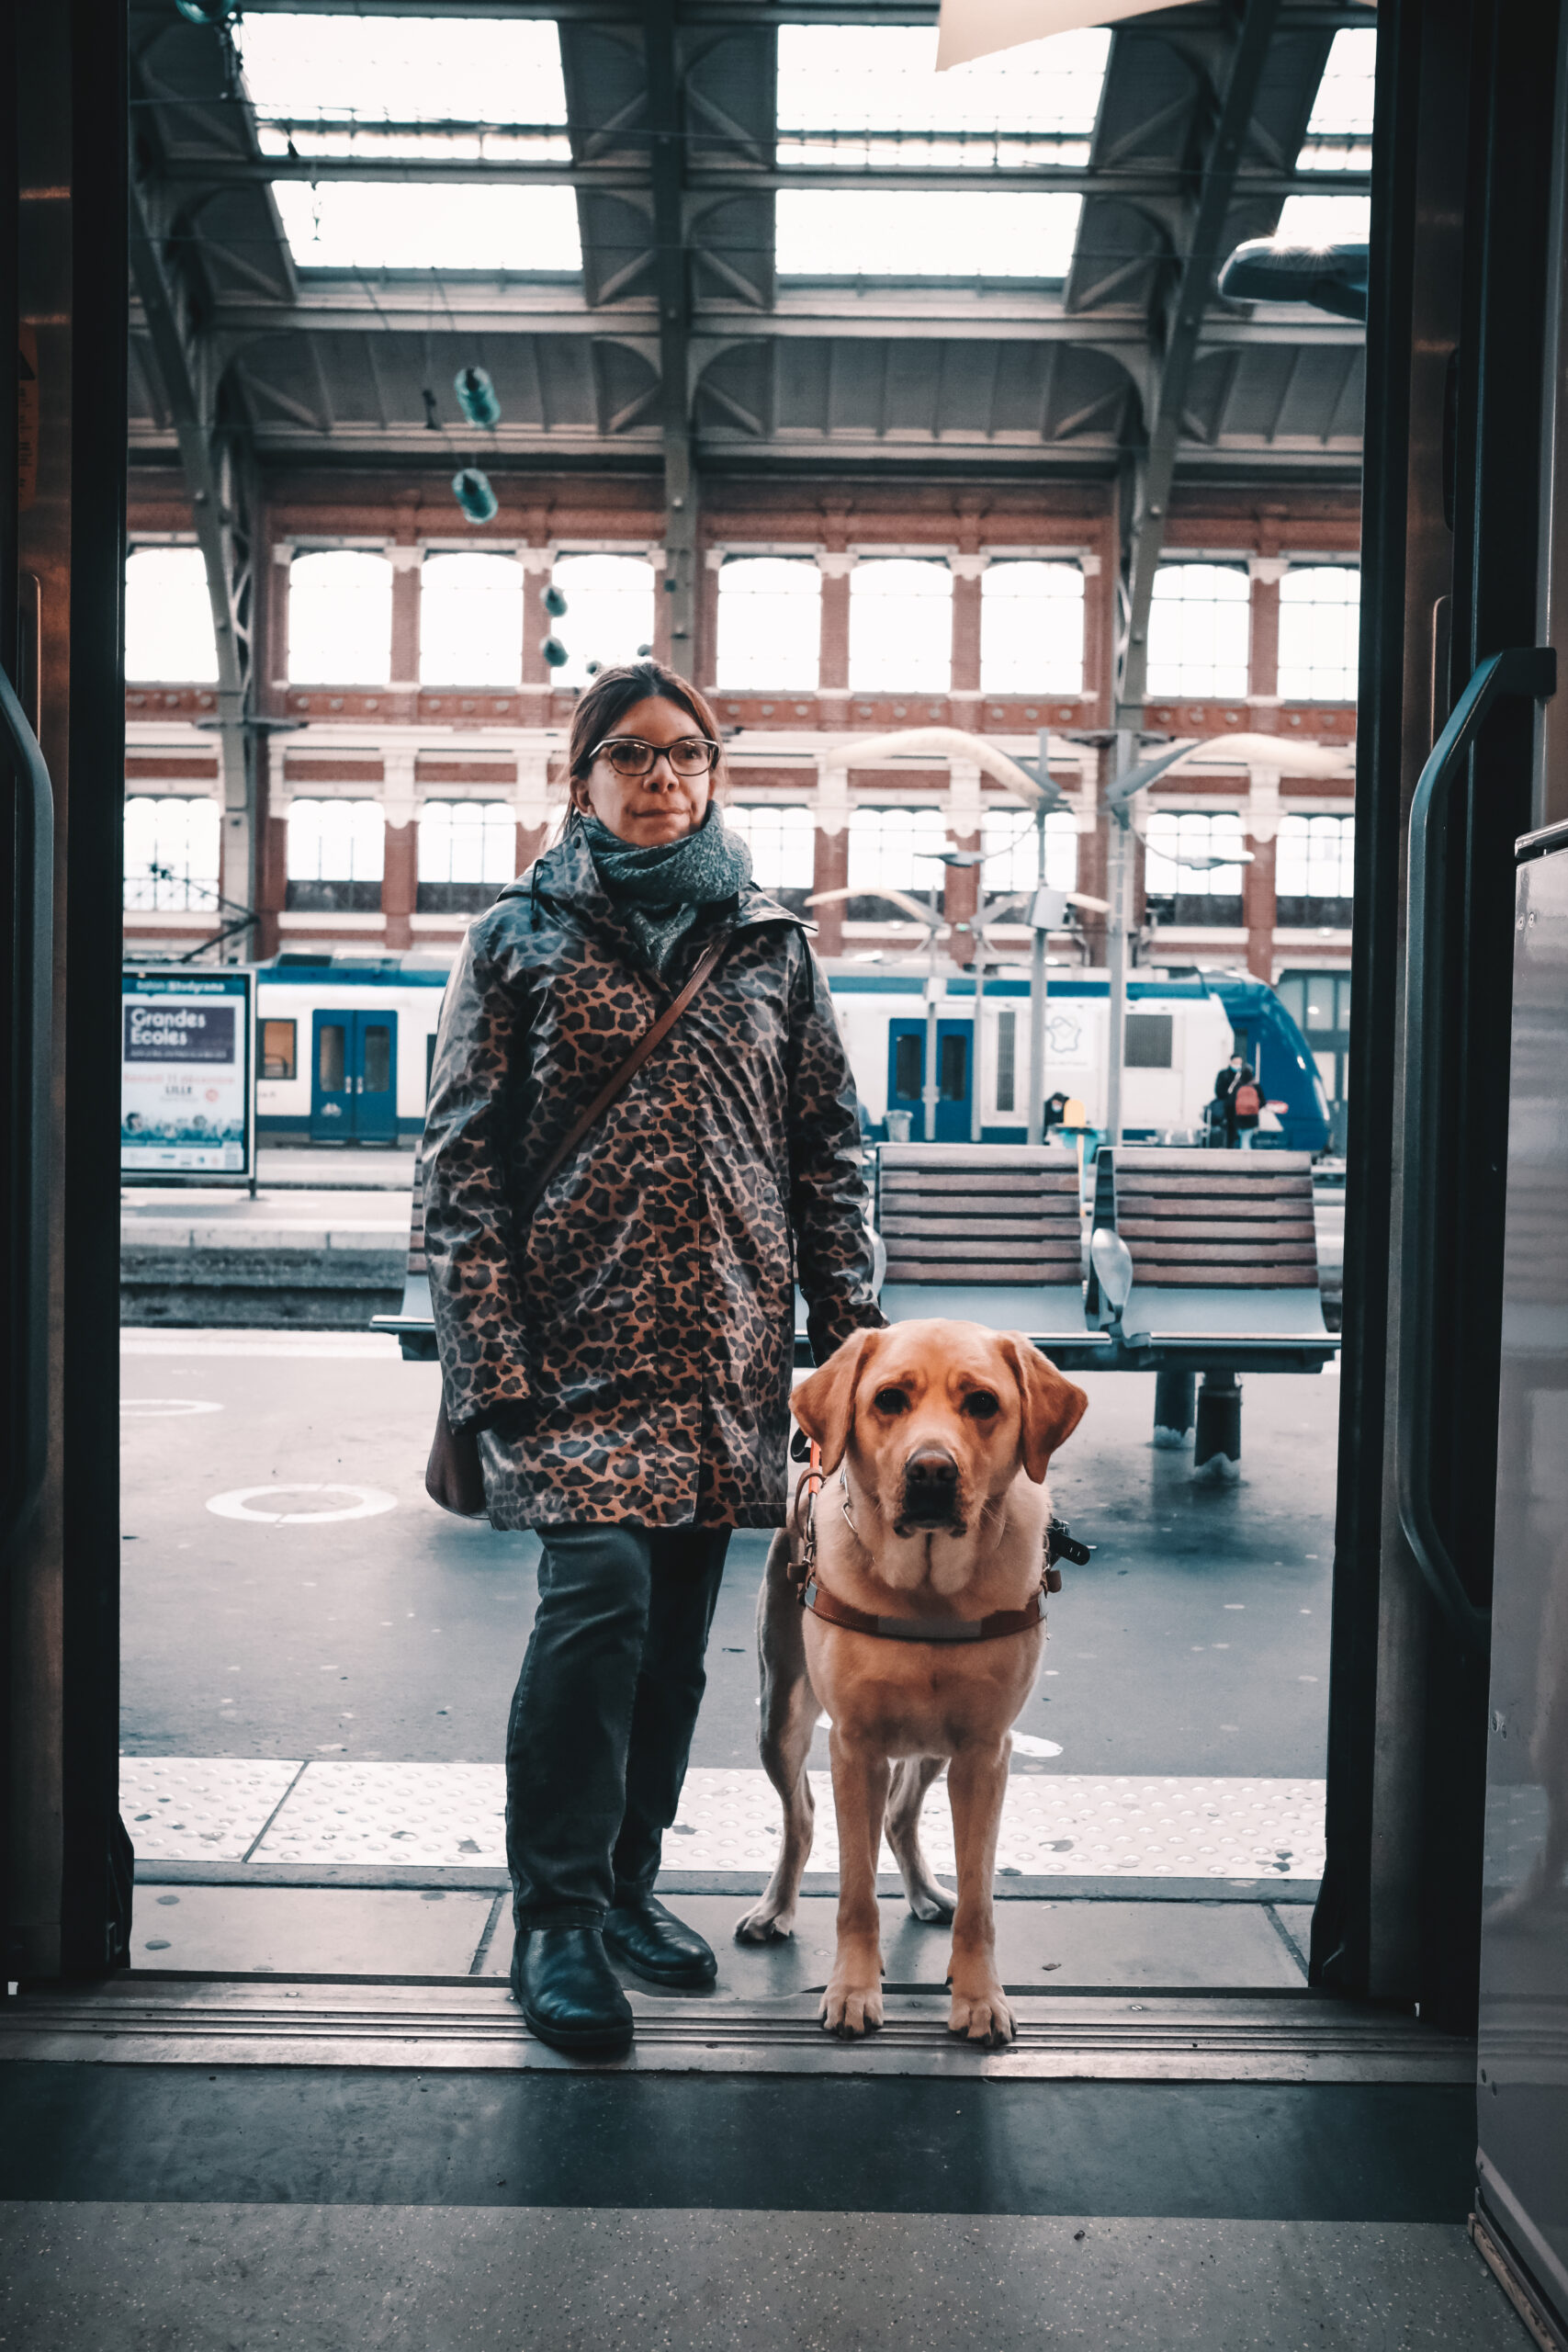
(414, 1325)
(1224, 1279)
(990, 1234)
(1224, 1253)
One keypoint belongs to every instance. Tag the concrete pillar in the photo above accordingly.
(836, 567)
(407, 562)
(399, 803)
(706, 660)
(964, 822)
(278, 622)
(532, 800)
(1094, 849)
(1098, 629)
(830, 869)
(967, 570)
(273, 855)
(1266, 571)
(664, 603)
(1262, 826)
(537, 564)
(262, 941)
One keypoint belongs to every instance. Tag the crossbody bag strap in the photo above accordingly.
(648, 1043)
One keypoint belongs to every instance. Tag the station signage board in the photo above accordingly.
(187, 1091)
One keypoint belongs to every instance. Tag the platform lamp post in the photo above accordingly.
(1030, 781)
(1247, 751)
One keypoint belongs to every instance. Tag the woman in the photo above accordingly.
(621, 1355)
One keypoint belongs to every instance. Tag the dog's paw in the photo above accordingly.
(982, 2015)
(764, 1925)
(935, 1904)
(849, 2009)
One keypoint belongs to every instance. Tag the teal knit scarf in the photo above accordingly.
(659, 892)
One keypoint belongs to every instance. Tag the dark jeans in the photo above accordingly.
(604, 1713)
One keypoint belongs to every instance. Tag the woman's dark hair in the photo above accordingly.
(602, 706)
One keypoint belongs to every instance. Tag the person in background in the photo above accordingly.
(617, 1347)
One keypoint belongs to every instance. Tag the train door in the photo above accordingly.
(354, 1077)
(954, 1070)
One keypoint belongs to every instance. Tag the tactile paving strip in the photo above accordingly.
(199, 1808)
(452, 1816)
(441, 1816)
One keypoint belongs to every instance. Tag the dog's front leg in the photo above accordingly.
(976, 1785)
(852, 2002)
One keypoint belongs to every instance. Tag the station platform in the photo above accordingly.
(311, 2113)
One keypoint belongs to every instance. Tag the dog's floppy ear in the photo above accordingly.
(824, 1404)
(1053, 1406)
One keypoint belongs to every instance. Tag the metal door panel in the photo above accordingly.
(332, 1063)
(955, 1075)
(376, 1077)
(1523, 2115)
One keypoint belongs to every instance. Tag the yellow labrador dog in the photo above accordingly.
(932, 1520)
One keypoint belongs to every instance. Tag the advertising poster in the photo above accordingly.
(186, 1088)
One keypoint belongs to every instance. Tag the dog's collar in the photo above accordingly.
(922, 1629)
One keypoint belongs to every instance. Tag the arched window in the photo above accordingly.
(609, 611)
(769, 624)
(335, 850)
(467, 850)
(1199, 630)
(900, 626)
(1031, 629)
(782, 839)
(171, 852)
(340, 619)
(1201, 893)
(470, 621)
(1320, 626)
(1012, 858)
(168, 619)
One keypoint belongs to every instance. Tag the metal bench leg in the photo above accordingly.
(1217, 1451)
(1174, 1406)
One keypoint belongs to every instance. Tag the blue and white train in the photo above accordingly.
(344, 1047)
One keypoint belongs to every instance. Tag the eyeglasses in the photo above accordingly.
(629, 755)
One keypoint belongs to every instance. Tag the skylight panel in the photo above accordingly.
(1338, 136)
(917, 232)
(336, 83)
(355, 224)
(1325, 221)
(873, 94)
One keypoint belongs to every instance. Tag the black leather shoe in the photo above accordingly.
(569, 1993)
(646, 1937)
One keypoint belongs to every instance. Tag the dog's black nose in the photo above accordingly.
(931, 1485)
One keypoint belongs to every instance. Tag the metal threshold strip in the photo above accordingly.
(274, 2022)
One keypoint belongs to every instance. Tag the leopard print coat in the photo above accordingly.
(626, 1355)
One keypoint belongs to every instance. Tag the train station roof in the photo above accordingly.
(768, 233)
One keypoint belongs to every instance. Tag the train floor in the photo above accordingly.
(309, 2114)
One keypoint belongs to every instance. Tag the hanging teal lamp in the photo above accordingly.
(473, 493)
(476, 396)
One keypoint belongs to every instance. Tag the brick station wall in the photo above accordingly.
(403, 743)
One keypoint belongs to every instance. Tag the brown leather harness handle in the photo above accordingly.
(648, 1043)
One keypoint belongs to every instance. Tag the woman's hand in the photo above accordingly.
(452, 1475)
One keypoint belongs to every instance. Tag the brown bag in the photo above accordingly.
(453, 1475)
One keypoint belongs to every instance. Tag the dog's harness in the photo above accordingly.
(1060, 1544)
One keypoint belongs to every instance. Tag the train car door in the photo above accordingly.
(954, 1070)
(354, 1077)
